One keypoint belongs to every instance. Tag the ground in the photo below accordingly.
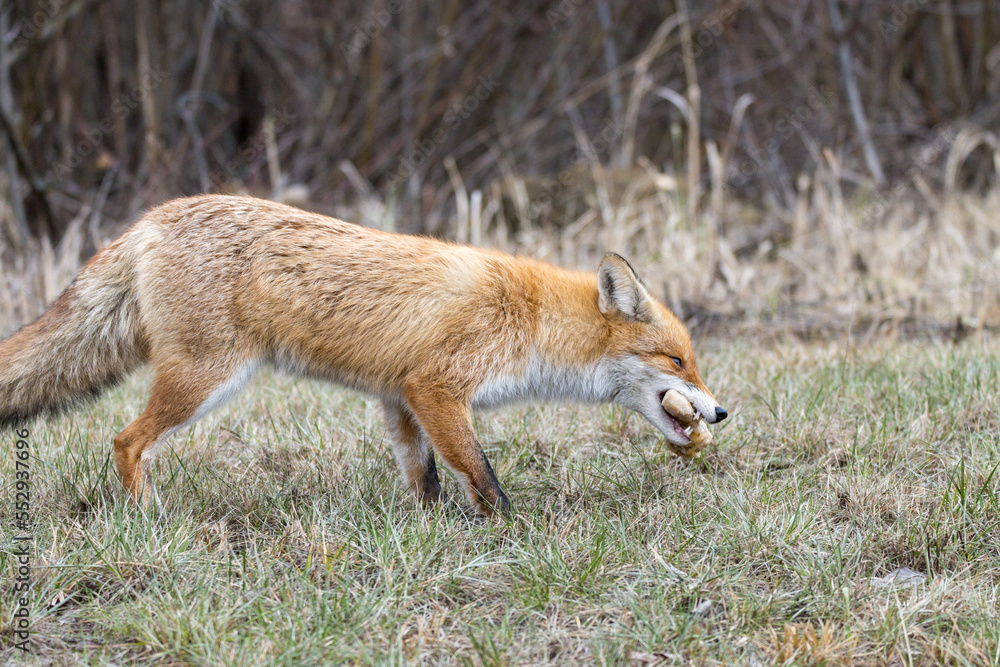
(848, 513)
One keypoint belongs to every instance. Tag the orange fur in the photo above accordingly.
(207, 289)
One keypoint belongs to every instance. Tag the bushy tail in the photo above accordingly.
(86, 342)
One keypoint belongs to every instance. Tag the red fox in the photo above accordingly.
(209, 289)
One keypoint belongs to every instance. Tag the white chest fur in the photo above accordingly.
(544, 381)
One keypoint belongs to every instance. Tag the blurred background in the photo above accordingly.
(811, 168)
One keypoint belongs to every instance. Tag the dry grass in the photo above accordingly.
(927, 266)
(287, 534)
(288, 538)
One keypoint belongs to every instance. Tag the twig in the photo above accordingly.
(34, 182)
(854, 96)
(430, 82)
(186, 103)
(273, 163)
(611, 63)
(52, 27)
(640, 84)
(205, 47)
(693, 167)
(19, 230)
(735, 122)
(374, 96)
(461, 200)
(150, 119)
(97, 210)
(20, 160)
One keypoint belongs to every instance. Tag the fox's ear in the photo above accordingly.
(619, 290)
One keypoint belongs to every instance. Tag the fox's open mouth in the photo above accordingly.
(686, 424)
(683, 433)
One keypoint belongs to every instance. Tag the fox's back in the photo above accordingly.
(323, 296)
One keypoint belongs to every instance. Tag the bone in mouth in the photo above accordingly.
(694, 426)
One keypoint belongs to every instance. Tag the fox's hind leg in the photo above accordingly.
(183, 392)
(413, 453)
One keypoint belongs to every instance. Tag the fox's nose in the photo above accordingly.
(720, 414)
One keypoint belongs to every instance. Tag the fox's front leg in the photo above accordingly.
(447, 422)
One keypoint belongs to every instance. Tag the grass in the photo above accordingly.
(287, 537)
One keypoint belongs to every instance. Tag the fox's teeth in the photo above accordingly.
(688, 431)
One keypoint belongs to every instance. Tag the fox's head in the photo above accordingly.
(650, 352)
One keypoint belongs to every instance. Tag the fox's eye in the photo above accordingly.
(677, 360)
